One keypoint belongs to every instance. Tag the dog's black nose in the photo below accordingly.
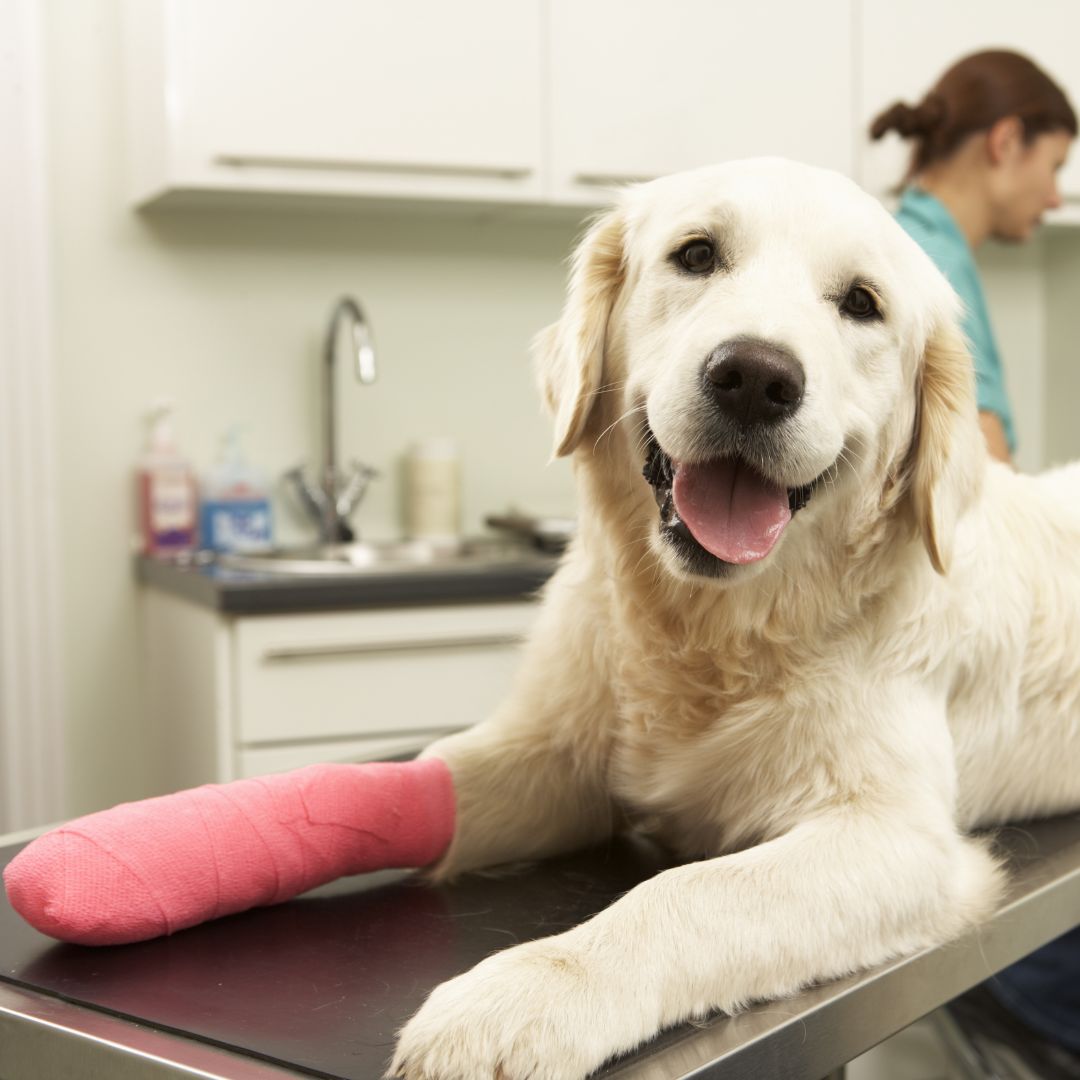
(753, 381)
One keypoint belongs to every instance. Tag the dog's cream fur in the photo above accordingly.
(819, 728)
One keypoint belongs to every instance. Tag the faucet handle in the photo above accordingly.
(357, 479)
(330, 503)
(311, 495)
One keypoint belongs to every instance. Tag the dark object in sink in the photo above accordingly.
(551, 534)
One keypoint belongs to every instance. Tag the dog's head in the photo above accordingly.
(758, 340)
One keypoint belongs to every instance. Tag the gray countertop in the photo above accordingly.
(241, 592)
(319, 985)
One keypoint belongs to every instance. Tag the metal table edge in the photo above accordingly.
(42, 1035)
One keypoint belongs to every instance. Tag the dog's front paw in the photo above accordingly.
(539, 1011)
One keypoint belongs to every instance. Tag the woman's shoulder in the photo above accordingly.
(926, 220)
(924, 216)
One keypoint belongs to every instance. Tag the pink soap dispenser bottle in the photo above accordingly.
(166, 493)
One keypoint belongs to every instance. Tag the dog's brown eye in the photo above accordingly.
(859, 303)
(698, 256)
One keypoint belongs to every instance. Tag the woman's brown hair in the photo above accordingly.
(973, 95)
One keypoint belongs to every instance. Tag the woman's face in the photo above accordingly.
(1026, 184)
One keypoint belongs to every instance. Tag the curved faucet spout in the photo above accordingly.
(332, 521)
(361, 335)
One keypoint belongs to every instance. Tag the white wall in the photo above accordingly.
(1033, 293)
(1014, 282)
(1063, 347)
(225, 312)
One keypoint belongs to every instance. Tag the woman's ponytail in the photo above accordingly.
(910, 121)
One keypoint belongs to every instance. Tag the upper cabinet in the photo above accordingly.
(539, 101)
(359, 97)
(536, 101)
(639, 89)
(903, 48)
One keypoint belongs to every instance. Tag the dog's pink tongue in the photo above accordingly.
(732, 512)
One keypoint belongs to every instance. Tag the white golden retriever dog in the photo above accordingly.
(809, 635)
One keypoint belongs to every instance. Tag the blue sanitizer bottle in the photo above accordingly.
(234, 510)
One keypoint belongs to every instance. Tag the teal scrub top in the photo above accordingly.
(926, 220)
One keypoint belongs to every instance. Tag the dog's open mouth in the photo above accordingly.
(723, 507)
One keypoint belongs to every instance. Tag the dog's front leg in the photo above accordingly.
(848, 889)
(520, 795)
(532, 780)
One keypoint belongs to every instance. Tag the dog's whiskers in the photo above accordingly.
(643, 435)
(644, 555)
(626, 415)
(641, 537)
(844, 458)
(609, 388)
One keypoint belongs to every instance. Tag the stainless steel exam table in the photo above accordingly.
(318, 986)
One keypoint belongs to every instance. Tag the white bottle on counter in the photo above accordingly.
(433, 492)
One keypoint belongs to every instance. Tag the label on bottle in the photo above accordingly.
(171, 505)
(240, 525)
(170, 509)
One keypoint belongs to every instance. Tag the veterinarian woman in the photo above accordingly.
(987, 142)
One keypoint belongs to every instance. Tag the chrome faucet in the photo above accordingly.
(336, 493)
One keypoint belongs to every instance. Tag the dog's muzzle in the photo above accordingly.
(720, 513)
(725, 510)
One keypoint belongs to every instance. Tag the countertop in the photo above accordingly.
(516, 576)
(318, 986)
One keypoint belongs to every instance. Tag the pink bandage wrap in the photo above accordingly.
(149, 868)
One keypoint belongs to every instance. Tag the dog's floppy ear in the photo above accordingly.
(949, 452)
(570, 354)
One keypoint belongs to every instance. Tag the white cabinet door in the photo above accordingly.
(374, 674)
(904, 47)
(640, 89)
(342, 96)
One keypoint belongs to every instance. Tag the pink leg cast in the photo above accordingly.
(149, 868)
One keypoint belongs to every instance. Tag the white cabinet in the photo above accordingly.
(640, 89)
(534, 101)
(229, 697)
(903, 48)
(538, 102)
(357, 97)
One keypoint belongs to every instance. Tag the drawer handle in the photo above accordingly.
(610, 179)
(499, 172)
(307, 652)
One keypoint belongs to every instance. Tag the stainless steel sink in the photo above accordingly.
(389, 557)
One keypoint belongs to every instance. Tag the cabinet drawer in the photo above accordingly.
(374, 673)
(282, 757)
